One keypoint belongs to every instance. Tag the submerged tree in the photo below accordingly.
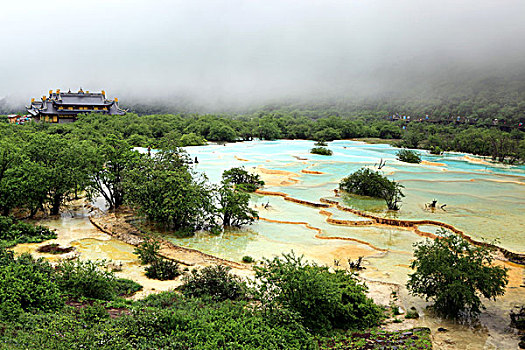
(454, 274)
(367, 182)
(408, 156)
(232, 206)
(165, 189)
(242, 179)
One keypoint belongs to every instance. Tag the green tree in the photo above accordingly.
(408, 156)
(268, 130)
(222, 132)
(192, 139)
(10, 190)
(240, 177)
(66, 166)
(454, 274)
(367, 182)
(165, 189)
(322, 151)
(114, 157)
(233, 206)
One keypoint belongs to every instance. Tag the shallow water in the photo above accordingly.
(485, 200)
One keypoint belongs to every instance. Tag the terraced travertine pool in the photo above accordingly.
(485, 201)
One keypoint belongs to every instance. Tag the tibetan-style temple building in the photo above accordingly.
(64, 107)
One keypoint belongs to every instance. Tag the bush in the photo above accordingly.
(126, 287)
(148, 251)
(163, 269)
(215, 282)
(366, 182)
(324, 300)
(436, 150)
(26, 284)
(162, 300)
(93, 313)
(86, 279)
(408, 156)
(247, 259)
(412, 313)
(321, 150)
(188, 324)
(13, 232)
(454, 274)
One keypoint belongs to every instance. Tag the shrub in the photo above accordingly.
(436, 150)
(454, 274)
(325, 300)
(412, 313)
(93, 313)
(148, 251)
(26, 284)
(86, 279)
(321, 143)
(126, 287)
(162, 300)
(163, 269)
(189, 324)
(247, 259)
(215, 282)
(366, 182)
(321, 150)
(408, 156)
(13, 232)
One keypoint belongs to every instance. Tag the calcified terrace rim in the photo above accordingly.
(518, 258)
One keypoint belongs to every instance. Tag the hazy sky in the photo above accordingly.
(247, 50)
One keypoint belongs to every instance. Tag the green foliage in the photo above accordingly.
(412, 313)
(163, 269)
(87, 279)
(408, 156)
(325, 300)
(233, 206)
(436, 150)
(26, 284)
(454, 274)
(114, 158)
(148, 251)
(247, 259)
(242, 179)
(192, 139)
(327, 134)
(166, 190)
(216, 282)
(93, 313)
(13, 232)
(367, 182)
(410, 339)
(126, 287)
(322, 151)
(183, 324)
